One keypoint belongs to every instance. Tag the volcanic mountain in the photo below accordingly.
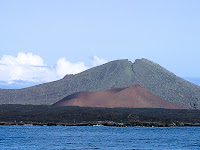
(118, 73)
(133, 97)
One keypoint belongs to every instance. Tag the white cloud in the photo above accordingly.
(22, 59)
(30, 67)
(98, 61)
(65, 67)
(27, 67)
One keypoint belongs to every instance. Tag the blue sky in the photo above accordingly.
(63, 33)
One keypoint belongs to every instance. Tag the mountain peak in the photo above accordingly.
(115, 74)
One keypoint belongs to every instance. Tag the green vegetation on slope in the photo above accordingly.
(119, 73)
(166, 84)
(129, 69)
(99, 78)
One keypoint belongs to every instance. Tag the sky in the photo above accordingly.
(43, 40)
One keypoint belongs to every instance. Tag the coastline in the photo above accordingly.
(45, 115)
(107, 123)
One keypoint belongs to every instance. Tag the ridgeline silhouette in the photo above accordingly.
(114, 74)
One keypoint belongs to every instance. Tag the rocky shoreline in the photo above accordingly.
(43, 115)
(107, 123)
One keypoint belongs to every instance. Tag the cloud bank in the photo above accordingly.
(30, 67)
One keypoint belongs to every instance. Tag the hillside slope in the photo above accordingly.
(131, 97)
(119, 73)
(165, 84)
(95, 79)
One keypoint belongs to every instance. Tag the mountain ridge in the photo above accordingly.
(119, 73)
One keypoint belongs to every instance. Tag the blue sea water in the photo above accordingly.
(98, 137)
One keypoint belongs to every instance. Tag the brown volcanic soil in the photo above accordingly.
(133, 97)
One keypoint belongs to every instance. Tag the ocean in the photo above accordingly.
(98, 137)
